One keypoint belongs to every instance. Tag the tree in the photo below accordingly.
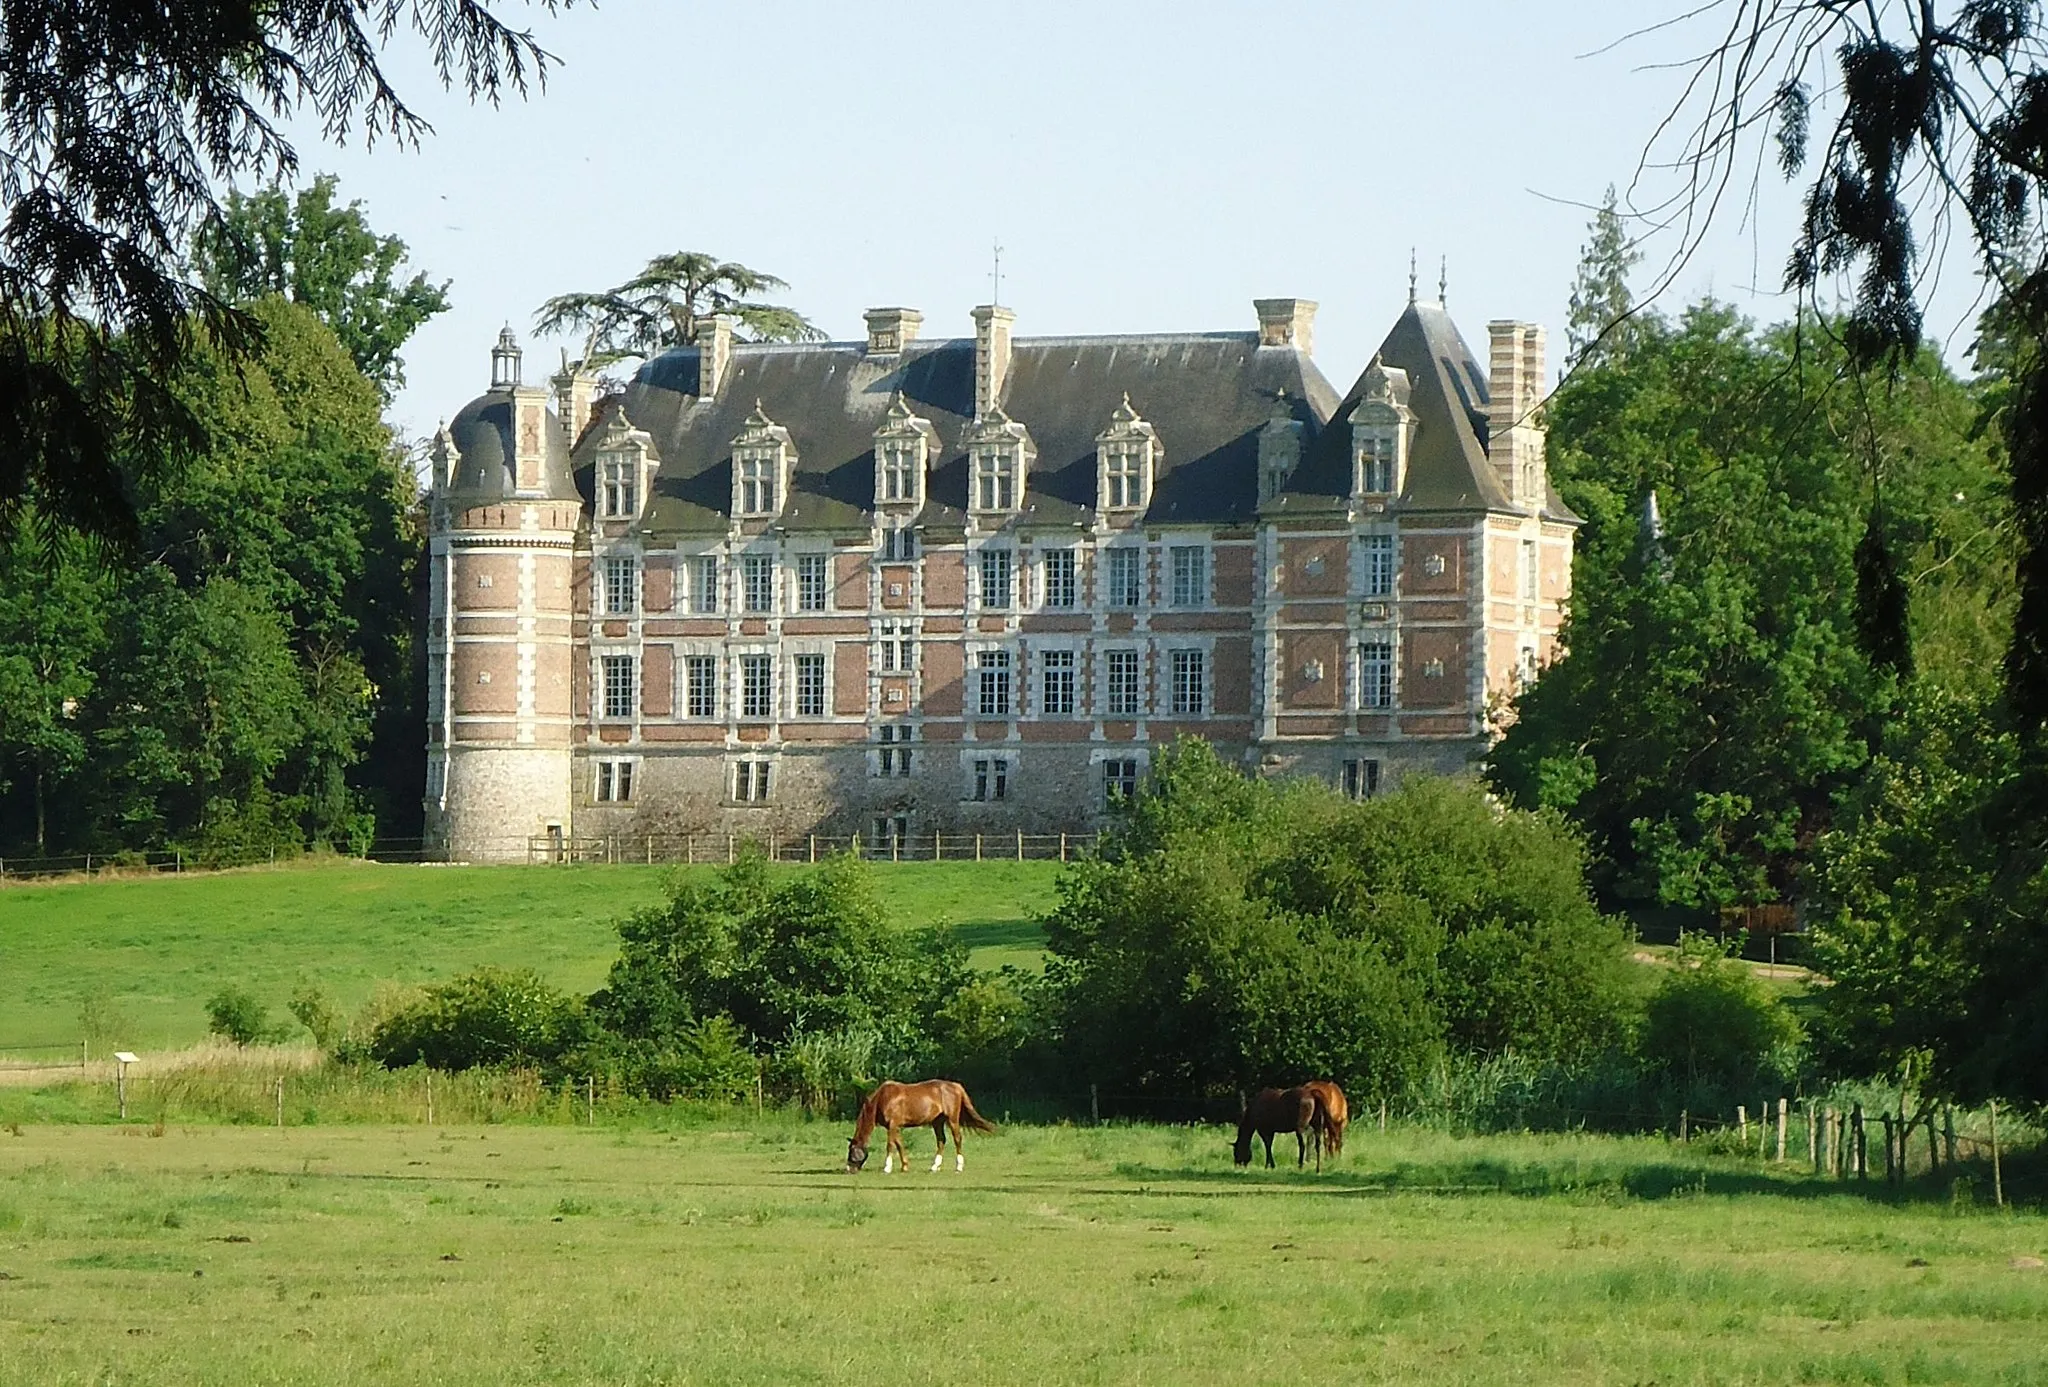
(118, 121)
(312, 252)
(662, 305)
(1718, 690)
(1599, 323)
(53, 609)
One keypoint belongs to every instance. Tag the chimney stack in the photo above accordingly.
(574, 390)
(714, 353)
(1287, 323)
(991, 355)
(890, 330)
(1514, 387)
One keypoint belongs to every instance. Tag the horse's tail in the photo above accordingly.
(970, 1117)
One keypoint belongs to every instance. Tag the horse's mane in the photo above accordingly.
(864, 1124)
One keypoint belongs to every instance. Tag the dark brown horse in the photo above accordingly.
(1335, 1113)
(935, 1103)
(1272, 1111)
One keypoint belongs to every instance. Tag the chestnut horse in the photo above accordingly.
(935, 1103)
(1335, 1114)
(1272, 1111)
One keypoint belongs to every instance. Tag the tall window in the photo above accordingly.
(1190, 682)
(810, 686)
(899, 472)
(757, 686)
(700, 674)
(892, 832)
(1190, 575)
(1057, 683)
(1124, 477)
(995, 480)
(614, 782)
(757, 582)
(899, 545)
(1361, 778)
(1376, 464)
(1379, 565)
(1059, 577)
(1119, 779)
(1123, 683)
(1126, 569)
(1532, 573)
(993, 667)
(996, 572)
(620, 585)
(704, 584)
(750, 781)
(810, 582)
(894, 758)
(896, 648)
(757, 483)
(991, 778)
(621, 478)
(1376, 674)
(618, 685)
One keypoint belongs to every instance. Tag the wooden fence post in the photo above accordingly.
(1781, 1123)
(1933, 1147)
(1684, 1126)
(1742, 1124)
(280, 1102)
(1890, 1167)
(814, 848)
(938, 846)
(1063, 846)
(1383, 1115)
(590, 1098)
(977, 847)
(430, 1097)
(1859, 1145)
(1997, 1174)
(1948, 1130)
(1020, 845)
(1812, 1139)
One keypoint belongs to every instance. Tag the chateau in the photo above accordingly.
(912, 584)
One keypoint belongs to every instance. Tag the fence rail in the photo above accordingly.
(688, 848)
(136, 862)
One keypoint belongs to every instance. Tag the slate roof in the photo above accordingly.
(1207, 394)
(482, 432)
(1447, 464)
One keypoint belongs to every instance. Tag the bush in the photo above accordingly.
(310, 1007)
(493, 1016)
(235, 1012)
(1710, 1023)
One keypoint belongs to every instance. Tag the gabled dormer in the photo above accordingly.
(625, 464)
(999, 458)
(763, 456)
(1127, 455)
(904, 448)
(1279, 449)
(447, 459)
(1381, 427)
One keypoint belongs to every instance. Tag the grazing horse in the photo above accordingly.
(1335, 1113)
(1272, 1111)
(935, 1103)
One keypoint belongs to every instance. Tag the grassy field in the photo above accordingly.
(729, 1250)
(161, 945)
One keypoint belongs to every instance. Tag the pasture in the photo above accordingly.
(160, 945)
(725, 1248)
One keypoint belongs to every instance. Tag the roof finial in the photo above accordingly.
(1443, 282)
(1411, 276)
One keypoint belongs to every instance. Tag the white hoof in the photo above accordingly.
(937, 1161)
(960, 1163)
(888, 1165)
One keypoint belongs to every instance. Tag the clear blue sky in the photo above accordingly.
(1146, 166)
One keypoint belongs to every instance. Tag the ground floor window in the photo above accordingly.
(1119, 779)
(614, 782)
(1361, 778)
(892, 832)
(991, 777)
(894, 758)
(750, 782)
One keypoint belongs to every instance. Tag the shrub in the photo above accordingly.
(311, 1008)
(1711, 1023)
(492, 1016)
(235, 1012)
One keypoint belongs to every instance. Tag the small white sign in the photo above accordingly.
(124, 1056)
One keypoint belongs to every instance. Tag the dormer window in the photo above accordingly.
(999, 452)
(1129, 452)
(1279, 450)
(903, 446)
(620, 474)
(1379, 433)
(1376, 457)
(762, 458)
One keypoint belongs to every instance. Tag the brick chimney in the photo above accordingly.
(890, 330)
(1287, 323)
(991, 355)
(714, 353)
(575, 388)
(1514, 385)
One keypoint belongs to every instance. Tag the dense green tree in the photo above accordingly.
(1719, 690)
(53, 631)
(119, 121)
(1237, 932)
(309, 250)
(662, 305)
(1599, 322)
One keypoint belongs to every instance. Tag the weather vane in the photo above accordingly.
(996, 279)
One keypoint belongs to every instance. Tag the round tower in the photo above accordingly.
(502, 537)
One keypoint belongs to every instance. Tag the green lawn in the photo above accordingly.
(729, 1250)
(161, 945)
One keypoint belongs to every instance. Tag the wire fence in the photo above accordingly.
(690, 848)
